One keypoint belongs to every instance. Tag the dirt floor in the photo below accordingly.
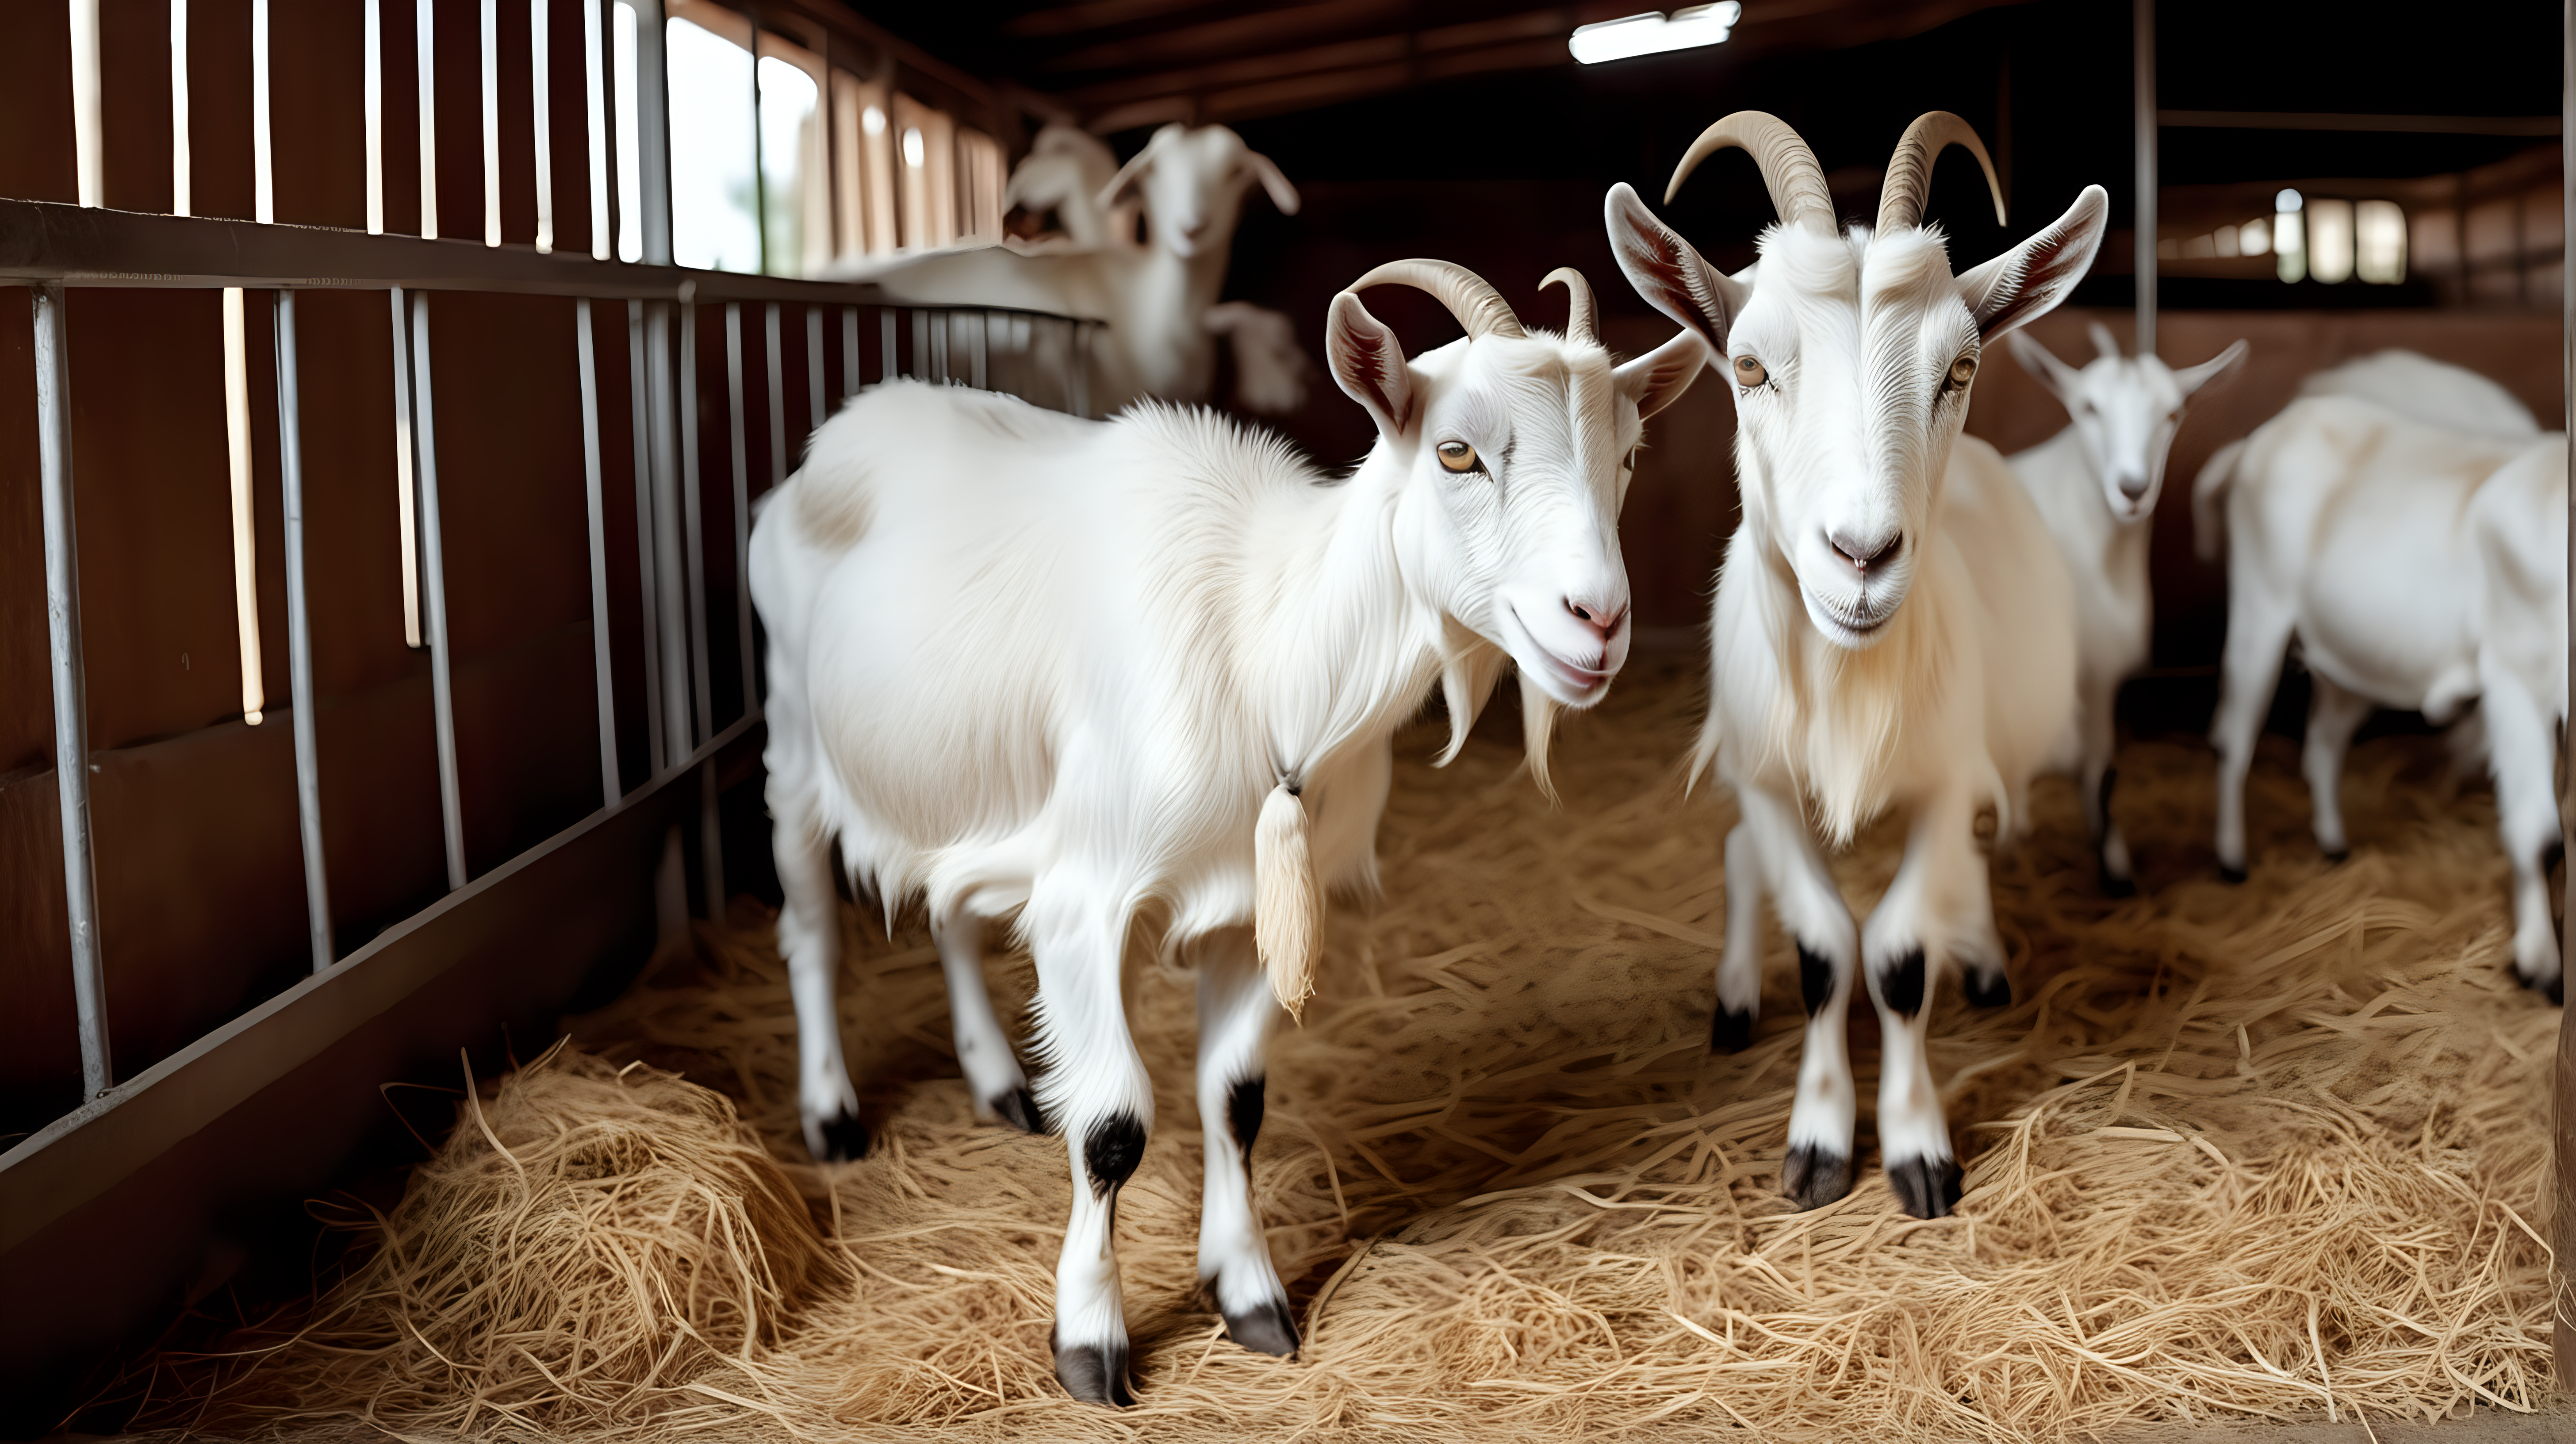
(2236, 1156)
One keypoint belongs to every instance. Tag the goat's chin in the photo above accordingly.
(1564, 682)
(1850, 631)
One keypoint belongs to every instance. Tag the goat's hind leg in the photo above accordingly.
(992, 1070)
(809, 938)
(1739, 968)
(2524, 756)
(2333, 716)
(2099, 778)
(1235, 1013)
(1818, 1166)
(2258, 632)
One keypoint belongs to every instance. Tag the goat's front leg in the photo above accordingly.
(1818, 1167)
(1235, 1013)
(1095, 1087)
(809, 938)
(1739, 969)
(2099, 739)
(2524, 756)
(993, 1073)
(1933, 906)
(2333, 716)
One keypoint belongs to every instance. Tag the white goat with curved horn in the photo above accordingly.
(1026, 665)
(2096, 484)
(1893, 626)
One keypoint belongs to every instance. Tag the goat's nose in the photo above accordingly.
(2133, 487)
(1604, 618)
(1865, 555)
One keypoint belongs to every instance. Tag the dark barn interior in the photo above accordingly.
(1426, 127)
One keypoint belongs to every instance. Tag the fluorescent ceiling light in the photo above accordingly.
(1654, 32)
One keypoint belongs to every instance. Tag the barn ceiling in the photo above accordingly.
(1116, 64)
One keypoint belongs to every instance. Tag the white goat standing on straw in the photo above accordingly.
(2365, 532)
(1893, 626)
(1155, 297)
(1021, 663)
(2096, 484)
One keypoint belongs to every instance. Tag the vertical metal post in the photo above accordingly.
(2145, 99)
(594, 77)
(609, 791)
(814, 362)
(2562, 1289)
(742, 484)
(182, 169)
(670, 594)
(433, 576)
(777, 401)
(543, 111)
(741, 463)
(406, 507)
(299, 638)
(693, 526)
(89, 136)
(425, 52)
(885, 351)
(983, 342)
(263, 203)
(849, 352)
(942, 326)
(653, 130)
(491, 123)
(71, 686)
(657, 749)
(921, 345)
(375, 87)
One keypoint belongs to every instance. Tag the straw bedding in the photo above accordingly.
(2267, 1151)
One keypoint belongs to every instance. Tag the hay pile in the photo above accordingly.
(2275, 1150)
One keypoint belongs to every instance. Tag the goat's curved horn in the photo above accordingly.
(1797, 183)
(1478, 306)
(1582, 314)
(1909, 171)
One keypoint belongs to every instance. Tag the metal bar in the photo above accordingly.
(375, 88)
(609, 791)
(814, 362)
(2143, 44)
(640, 409)
(594, 75)
(669, 591)
(70, 683)
(2563, 1230)
(693, 524)
(921, 345)
(983, 345)
(653, 131)
(425, 52)
(491, 122)
(254, 673)
(886, 325)
(540, 104)
(299, 638)
(742, 490)
(89, 139)
(433, 575)
(404, 504)
(181, 167)
(263, 205)
(849, 352)
(2522, 125)
(941, 330)
(777, 389)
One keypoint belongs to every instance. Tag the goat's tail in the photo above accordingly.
(2209, 500)
(1287, 907)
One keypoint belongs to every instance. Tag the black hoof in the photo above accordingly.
(1813, 1178)
(1984, 992)
(1731, 1031)
(2555, 990)
(1925, 1188)
(1019, 1108)
(2230, 874)
(845, 1139)
(1265, 1328)
(2339, 856)
(2114, 885)
(1094, 1375)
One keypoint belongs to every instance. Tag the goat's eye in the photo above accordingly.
(1749, 372)
(1457, 456)
(1962, 371)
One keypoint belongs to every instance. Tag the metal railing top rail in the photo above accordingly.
(91, 246)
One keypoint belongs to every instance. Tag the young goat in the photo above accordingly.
(1155, 297)
(2346, 528)
(1893, 627)
(2095, 484)
(1021, 663)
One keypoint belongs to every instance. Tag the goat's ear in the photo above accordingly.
(1132, 174)
(1668, 272)
(1658, 378)
(2044, 367)
(1369, 365)
(2104, 342)
(2026, 282)
(2217, 368)
(1273, 180)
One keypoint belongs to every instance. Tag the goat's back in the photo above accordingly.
(2434, 392)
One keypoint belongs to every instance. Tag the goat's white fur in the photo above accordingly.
(2096, 484)
(1026, 666)
(2518, 525)
(1155, 297)
(1271, 371)
(1935, 681)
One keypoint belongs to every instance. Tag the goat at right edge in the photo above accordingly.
(1893, 627)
